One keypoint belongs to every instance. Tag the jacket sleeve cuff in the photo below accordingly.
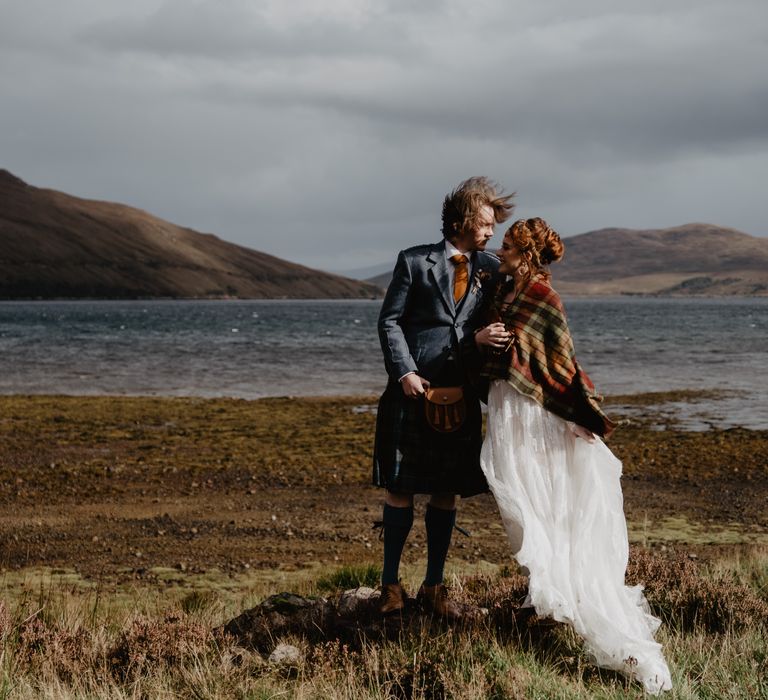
(401, 369)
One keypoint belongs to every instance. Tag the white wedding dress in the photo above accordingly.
(561, 503)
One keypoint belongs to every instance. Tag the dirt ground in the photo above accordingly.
(119, 486)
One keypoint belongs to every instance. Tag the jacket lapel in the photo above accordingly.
(440, 276)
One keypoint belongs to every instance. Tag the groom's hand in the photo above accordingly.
(414, 385)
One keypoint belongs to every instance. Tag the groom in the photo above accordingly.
(426, 325)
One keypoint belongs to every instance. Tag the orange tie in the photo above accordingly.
(461, 278)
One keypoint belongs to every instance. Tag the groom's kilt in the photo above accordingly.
(411, 457)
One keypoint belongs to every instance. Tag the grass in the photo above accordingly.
(682, 530)
(161, 476)
(59, 645)
(350, 576)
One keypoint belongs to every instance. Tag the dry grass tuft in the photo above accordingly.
(5, 621)
(44, 645)
(685, 597)
(147, 644)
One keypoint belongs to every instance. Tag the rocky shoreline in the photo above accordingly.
(162, 488)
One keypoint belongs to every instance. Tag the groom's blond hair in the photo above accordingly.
(462, 206)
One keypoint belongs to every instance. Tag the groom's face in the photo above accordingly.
(478, 235)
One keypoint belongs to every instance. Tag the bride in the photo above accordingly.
(554, 480)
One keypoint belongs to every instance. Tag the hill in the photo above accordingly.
(381, 280)
(689, 260)
(694, 259)
(54, 245)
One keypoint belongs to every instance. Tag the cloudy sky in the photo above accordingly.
(328, 131)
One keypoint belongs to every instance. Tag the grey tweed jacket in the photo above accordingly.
(420, 326)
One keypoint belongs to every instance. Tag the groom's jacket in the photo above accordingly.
(421, 329)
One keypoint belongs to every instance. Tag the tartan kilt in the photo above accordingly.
(411, 457)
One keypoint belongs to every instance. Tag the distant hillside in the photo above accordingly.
(694, 259)
(53, 245)
(690, 260)
(381, 280)
(365, 273)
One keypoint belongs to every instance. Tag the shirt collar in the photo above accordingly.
(451, 250)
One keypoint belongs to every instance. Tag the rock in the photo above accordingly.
(290, 604)
(350, 617)
(285, 655)
(281, 615)
(351, 601)
(238, 657)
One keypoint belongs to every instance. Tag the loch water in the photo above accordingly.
(252, 349)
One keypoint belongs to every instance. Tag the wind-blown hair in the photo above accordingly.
(462, 206)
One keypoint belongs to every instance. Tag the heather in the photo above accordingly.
(64, 643)
(133, 529)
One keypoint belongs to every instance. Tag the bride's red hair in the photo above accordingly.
(538, 242)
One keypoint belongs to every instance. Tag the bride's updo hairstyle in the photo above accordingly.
(538, 242)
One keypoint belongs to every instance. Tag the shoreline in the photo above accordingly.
(668, 409)
(125, 486)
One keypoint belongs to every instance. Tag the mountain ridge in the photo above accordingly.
(695, 259)
(687, 260)
(56, 245)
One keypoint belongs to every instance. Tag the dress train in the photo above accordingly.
(561, 503)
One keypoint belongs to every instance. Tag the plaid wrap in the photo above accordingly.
(541, 362)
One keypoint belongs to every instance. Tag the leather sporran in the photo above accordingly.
(444, 408)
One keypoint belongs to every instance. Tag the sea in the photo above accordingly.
(253, 349)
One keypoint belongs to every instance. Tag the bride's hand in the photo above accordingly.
(581, 432)
(493, 336)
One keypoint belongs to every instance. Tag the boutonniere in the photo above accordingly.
(478, 279)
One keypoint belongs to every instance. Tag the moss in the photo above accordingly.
(231, 493)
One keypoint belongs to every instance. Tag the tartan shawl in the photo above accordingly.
(541, 362)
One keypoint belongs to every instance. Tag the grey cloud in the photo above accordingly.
(634, 114)
(629, 85)
(238, 29)
(334, 140)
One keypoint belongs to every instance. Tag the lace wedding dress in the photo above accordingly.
(561, 503)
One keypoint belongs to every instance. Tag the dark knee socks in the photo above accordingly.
(439, 524)
(397, 525)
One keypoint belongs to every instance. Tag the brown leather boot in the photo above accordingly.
(434, 600)
(392, 599)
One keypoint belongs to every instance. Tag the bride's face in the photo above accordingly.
(510, 256)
